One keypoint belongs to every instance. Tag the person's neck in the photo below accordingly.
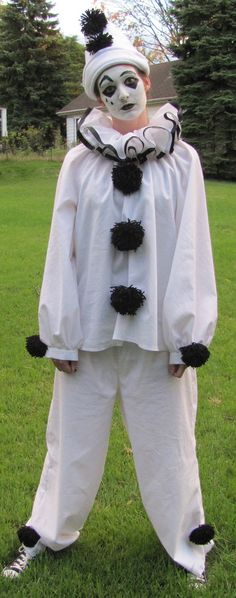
(127, 126)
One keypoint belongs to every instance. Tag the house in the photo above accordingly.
(3, 122)
(162, 91)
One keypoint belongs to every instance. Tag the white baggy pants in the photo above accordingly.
(159, 411)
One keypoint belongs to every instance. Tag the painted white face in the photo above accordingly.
(122, 91)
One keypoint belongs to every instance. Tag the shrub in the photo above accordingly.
(32, 139)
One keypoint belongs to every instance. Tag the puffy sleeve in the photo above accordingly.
(190, 302)
(59, 318)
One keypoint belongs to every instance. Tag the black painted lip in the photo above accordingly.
(127, 106)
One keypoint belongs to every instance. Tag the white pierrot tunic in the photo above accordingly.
(173, 266)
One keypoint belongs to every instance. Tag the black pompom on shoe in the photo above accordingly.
(127, 236)
(28, 536)
(202, 534)
(93, 22)
(127, 177)
(195, 355)
(35, 347)
(127, 300)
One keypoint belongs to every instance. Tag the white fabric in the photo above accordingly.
(122, 51)
(173, 266)
(159, 411)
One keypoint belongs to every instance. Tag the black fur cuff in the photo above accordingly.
(127, 300)
(127, 236)
(127, 177)
(35, 347)
(195, 355)
(202, 534)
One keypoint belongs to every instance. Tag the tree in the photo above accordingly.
(75, 56)
(150, 25)
(205, 79)
(34, 64)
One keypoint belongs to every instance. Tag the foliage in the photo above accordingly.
(150, 25)
(205, 79)
(32, 139)
(37, 68)
(74, 52)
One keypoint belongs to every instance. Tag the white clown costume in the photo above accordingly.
(128, 288)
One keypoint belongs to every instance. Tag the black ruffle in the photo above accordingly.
(127, 236)
(127, 300)
(98, 42)
(195, 355)
(127, 177)
(93, 22)
(35, 347)
(202, 534)
(28, 536)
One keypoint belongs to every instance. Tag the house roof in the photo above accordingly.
(162, 88)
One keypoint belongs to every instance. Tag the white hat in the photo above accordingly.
(106, 46)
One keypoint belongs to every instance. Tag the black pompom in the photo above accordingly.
(202, 534)
(126, 300)
(127, 177)
(127, 236)
(93, 22)
(98, 42)
(195, 355)
(28, 536)
(35, 347)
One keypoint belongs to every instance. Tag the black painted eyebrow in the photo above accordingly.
(126, 72)
(104, 79)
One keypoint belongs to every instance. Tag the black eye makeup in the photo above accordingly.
(109, 91)
(128, 78)
(131, 82)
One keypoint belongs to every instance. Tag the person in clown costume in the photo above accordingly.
(128, 306)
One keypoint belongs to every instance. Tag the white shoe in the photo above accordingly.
(26, 554)
(196, 582)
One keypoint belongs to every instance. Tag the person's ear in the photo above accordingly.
(147, 83)
(100, 102)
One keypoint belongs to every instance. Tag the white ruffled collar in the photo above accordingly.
(153, 141)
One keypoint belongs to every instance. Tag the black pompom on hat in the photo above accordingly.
(93, 22)
(99, 42)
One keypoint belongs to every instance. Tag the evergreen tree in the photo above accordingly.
(205, 79)
(75, 55)
(33, 64)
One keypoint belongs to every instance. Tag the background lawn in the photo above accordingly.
(118, 555)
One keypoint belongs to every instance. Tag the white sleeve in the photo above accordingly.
(190, 303)
(59, 318)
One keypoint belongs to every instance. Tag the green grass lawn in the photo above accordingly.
(118, 555)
